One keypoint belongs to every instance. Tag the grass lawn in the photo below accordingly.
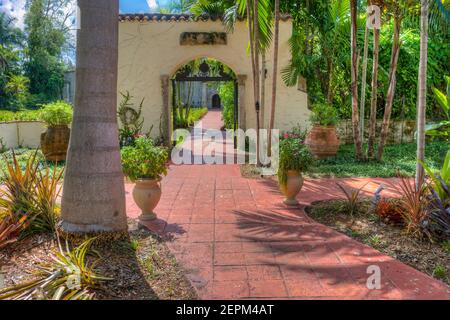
(400, 156)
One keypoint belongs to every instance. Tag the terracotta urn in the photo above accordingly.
(54, 143)
(323, 141)
(146, 194)
(292, 188)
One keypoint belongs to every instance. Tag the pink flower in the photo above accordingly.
(286, 135)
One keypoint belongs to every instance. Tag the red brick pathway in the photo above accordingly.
(236, 240)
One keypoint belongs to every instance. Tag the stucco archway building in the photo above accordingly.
(152, 47)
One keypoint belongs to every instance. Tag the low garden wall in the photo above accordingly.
(399, 131)
(16, 134)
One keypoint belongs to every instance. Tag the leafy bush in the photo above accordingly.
(144, 160)
(294, 155)
(67, 277)
(25, 115)
(324, 114)
(57, 113)
(441, 129)
(195, 114)
(226, 92)
(389, 210)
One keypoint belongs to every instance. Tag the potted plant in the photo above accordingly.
(295, 158)
(55, 141)
(322, 139)
(145, 164)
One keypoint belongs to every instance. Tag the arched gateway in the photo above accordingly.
(152, 47)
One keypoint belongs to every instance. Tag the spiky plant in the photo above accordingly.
(69, 276)
(415, 204)
(17, 196)
(352, 197)
(10, 229)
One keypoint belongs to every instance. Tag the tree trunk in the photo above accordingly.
(354, 66)
(257, 75)
(263, 90)
(422, 91)
(364, 83)
(94, 195)
(391, 88)
(274, 75)
(373, 102)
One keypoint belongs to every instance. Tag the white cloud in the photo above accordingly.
(15, 9)
(152, 4)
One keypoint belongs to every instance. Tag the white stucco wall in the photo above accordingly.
(149, 49)
(22, 133)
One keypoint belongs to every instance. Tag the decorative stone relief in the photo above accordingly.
(203, 38)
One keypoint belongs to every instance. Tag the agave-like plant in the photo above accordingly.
(352, 197)
(31, 191)
(19, 186)
(10, 229)
(47, 190)
(68, 276)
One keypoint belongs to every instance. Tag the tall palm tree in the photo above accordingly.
(274, 73)
(398, 12)
(94, 195)
(373, 100)
(354, 71)
(422, 91)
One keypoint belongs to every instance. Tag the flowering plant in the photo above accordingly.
(294, 155)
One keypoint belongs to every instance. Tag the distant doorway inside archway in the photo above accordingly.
(216, 102)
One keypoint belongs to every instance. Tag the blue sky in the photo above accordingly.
(15, 8)
(140, 6)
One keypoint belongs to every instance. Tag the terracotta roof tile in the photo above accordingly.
(171, 17)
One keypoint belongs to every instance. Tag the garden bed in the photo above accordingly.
(365, 226)
(142, 267)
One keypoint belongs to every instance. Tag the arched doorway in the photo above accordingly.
(211, 80)
(216, 102)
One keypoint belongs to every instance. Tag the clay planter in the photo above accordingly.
(146, 194)
(323, 141)
(292, 188)
(54, 143)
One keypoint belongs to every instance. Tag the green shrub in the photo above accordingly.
(195, 114)
(324, 114)
(25, 115)
(144, 160)
(226, 92)
(56, 113)
(294, 155)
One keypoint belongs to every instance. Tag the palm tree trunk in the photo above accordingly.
(391, 88)
(94, 195)
(364, 83)
(422, 91)
(263, 90)
(257, 74)
(354, 66)
(274, 74)
(373, 102)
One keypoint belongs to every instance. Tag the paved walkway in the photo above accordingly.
(237, 240)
